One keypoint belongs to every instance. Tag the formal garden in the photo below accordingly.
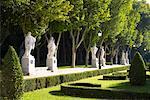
(74, 49)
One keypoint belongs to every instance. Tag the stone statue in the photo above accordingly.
(123, 58)
(94, 50)
(29, 44)
(51, 61)
(28, 61)
(102, 57)
(126, 56)
(51, 48)
(95, 63)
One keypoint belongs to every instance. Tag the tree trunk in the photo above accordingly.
(116, 57)
(38, 57)
(111, 59)
(73, 57)
(87, 58)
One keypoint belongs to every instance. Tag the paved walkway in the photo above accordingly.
(43, 72)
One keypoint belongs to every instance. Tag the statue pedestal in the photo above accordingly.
(28, 65)
(95, 63)
(51, 63)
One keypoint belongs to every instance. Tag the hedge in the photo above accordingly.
(44, 82)
(12, 76)
(97, 92)
(137, 72)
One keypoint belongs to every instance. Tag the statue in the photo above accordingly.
(51, 61)
(95, 62)
(102, 57)
(29, 44)
(126, 56)
(51, 48)
(94, 50)
(28, 61)
(123, 58)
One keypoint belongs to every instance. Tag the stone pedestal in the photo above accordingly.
(28, 65)
(95, 63)
(51, 63)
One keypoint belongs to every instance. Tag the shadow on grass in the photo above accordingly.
(57, 93)
(127, 86)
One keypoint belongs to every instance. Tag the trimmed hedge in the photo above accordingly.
(12, 76)
(137, 72)
(44, 82)
(114, 77)
(97, 92)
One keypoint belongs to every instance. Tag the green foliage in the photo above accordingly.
(35, 16)
(29, 85)
(118, 13)
(97, 12)
(12, 76)
(103, 93)
(53, 81)
(137, 73)
(38, 83)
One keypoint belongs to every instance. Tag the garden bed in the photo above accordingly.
(97, 92)
(44, 82)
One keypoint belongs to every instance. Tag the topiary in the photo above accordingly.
(137, 73)
(12, 79)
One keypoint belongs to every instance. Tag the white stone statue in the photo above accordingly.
(94, 50)
(29, 44)
(28, 61)
(102, 57)
(51, 48)
(51, 61)
(95, 62)
(126, 56)
(123, 58)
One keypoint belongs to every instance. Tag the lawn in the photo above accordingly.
(54, 93)
(77, 66)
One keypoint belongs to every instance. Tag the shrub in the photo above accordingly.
(52, 80)
(37, 83)
(12, 76)
(137, 73)
(29, 84)
(148, 65)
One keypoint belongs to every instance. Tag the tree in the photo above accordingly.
(113, 27)
(34, 16)
(137, 73)
(96, 13)
(12, 79)
(86, 16)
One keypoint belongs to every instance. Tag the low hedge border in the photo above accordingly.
(109, 93)
(114, 77)
(44, 82)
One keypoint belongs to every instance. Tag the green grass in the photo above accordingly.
(54, 93)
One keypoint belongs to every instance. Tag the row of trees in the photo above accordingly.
(124, 23)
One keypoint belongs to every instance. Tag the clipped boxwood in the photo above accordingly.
(52, 81)
(12, 76)
(42, 82)
(114, 77)
(30, 84)
(101, 93)
(137, 73)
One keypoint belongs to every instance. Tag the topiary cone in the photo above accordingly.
(12, 79)
(137, 73)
